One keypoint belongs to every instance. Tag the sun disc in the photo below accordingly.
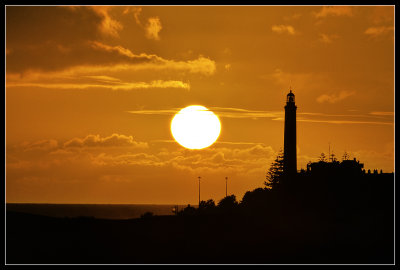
(195, 127)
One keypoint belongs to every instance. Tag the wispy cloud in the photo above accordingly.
(124, 51)
(136, 13)
(283, 29)
(379, 31)
(142, 61)
(239, 113)
(382, 113)
(108, 26)
(328, 38)
(155, 112)
(344, 121)
(308, 81)
(333, 98)
(220, 111)
(153, 27)
(334, 11)
(116, 86)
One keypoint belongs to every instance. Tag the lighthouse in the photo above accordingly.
(290, 146)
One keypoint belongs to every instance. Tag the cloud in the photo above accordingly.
(118, 58)
(220, 111)
(115, 140)
(136, 12)
(41, 145)
(128, 156)
(151, 61)
(344, 121)
(122, 51)
(379, 31)
(307, 81)
(152, 28)
(334, 11)
(283, 29)
(326, 38)
(382, 159)
(382, 14)
(316, 117)
(126, 86)
(335, 97)
(382, 113)
(36, 31)
(108, 26)
(104, 75)
(294, 16)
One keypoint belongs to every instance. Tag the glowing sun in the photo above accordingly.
(195, 127)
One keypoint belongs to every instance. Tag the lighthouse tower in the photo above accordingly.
(290, 147)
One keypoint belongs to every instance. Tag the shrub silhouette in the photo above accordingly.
(228, 204)
(147, 215)
(187, 211)
(207, 207)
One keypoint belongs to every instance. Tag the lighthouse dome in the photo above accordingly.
(290, 97)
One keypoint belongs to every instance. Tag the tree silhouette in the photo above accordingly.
(187, 211)
(275, 172)
(256, 201)
(228, 204)
(322, 157)
(207, 207)
(147, 215)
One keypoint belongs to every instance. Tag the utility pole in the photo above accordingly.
(199, 190)
(226, 186)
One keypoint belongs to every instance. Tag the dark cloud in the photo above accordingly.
(30, 26)
(47, 37)
(53, 38)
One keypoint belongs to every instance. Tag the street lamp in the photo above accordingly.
(199, 190)
(226, 186)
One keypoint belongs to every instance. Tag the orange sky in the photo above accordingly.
(91, 91)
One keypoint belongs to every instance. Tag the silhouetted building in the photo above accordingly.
(346, 167)
(290, 146)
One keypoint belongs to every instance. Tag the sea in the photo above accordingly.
(102, 211)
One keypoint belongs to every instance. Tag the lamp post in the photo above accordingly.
(226, 186)
(199, 190)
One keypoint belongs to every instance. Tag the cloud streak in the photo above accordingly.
(119, 86)
(239, 113)
(334, 11)
(283, 29)
(326, 38)
(379, 31)
(334, 98)
(344, 122)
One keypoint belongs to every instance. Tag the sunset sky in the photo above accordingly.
(91, 91)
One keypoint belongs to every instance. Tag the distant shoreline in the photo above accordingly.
(107, 211)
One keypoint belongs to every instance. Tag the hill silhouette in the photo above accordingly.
(312, 217)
